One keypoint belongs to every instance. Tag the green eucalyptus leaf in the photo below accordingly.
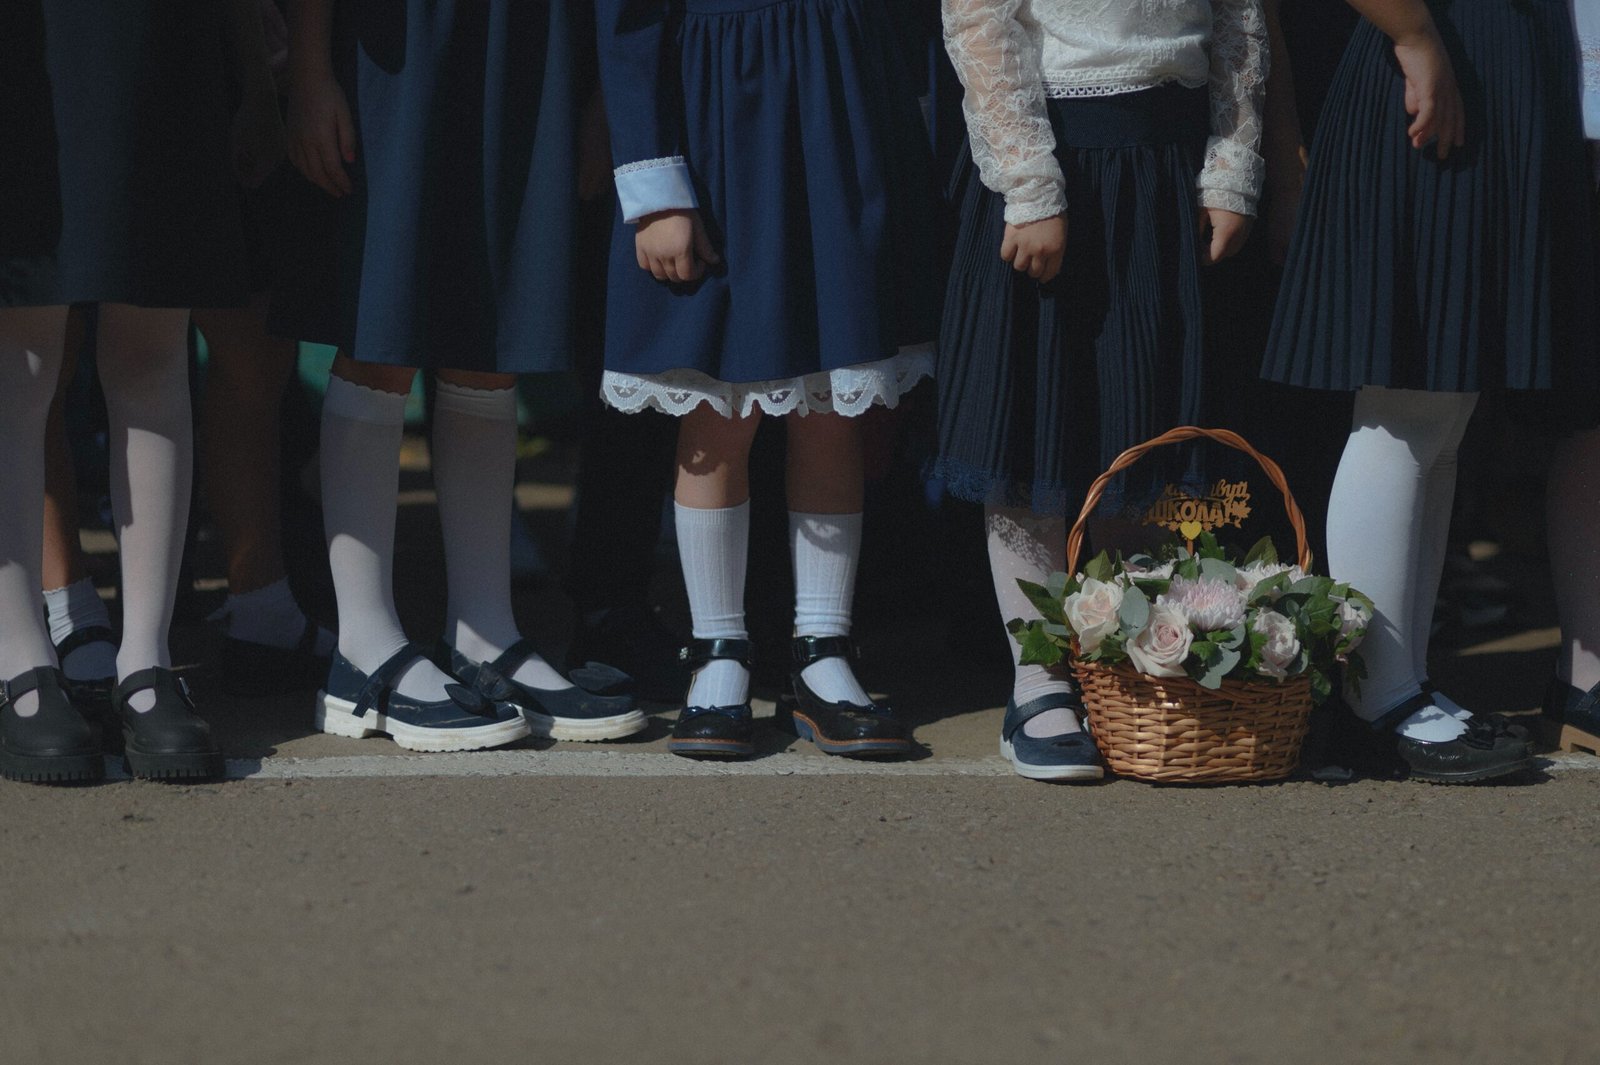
(1038, 649)
(1135, 612)
(1099, 567)
(1218, 668)
(1057, 586)
(1218, 569)
(1264, 550)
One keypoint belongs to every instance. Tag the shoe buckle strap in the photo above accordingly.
(811, 649)
(699, 652)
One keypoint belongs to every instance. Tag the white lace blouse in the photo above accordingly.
(1586, 16)
(1012, 54)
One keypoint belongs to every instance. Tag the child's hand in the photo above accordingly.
(673, 246)
(1432, 98)
(322, 138)
(257, 137)
(1036, 248)
(1229, 231)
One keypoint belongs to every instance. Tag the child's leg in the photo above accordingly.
(474, 471)
(824, 479)
(363, 419)
(712, 508)
(1573, 501)
(1025, 546)
(248, 372)
(1376, 533)
(30, 361)
(143, 357)
(1438, 502)
(70, 600)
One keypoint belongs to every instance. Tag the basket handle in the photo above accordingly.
(1232, 439)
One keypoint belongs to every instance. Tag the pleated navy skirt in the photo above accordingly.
(1041, 386)
(1473, 273)
(455, 251)
(115, 176)
(813, 170)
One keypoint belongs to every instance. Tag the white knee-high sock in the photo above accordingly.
(714, 548)
(1376, 533)
(474, 472)
(361, 432)
(144, 367)
(825, 549)
(74, 608)
(1438, 503)
(30, 364)
(1025, 546)
(1573, 510)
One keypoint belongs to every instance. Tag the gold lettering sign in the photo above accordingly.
(1228, 503)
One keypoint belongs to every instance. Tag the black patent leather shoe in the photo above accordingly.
(1489, 749)
(842, 728)
(170, 741)
(1572, 716)
(53, 745)
(714, 731)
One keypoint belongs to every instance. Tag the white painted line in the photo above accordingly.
(529, 763)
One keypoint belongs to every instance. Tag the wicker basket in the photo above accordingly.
(1172, 730)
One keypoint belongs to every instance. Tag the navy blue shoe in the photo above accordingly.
(847, 729)
(357, 705)
(1069, 756)
(714, 731)
(592, 709)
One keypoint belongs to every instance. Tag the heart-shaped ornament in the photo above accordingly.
(1191, 530)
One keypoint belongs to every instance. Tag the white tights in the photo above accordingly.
(1026, 546)
(1388, 528)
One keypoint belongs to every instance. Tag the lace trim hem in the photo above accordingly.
(850, 390)
(650, 164)
(1068, 87)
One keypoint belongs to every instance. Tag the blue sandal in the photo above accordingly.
(357, 705)
(594, 708)
(1070, 756)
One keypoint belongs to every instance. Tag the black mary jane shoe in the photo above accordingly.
(596, 707)
(92, 697)
(169, 741)
(1572, 717)
(1489, 749)
(842, 728)
(53, 745)
(253, 670)
(714, 731)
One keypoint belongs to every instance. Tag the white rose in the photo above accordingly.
(1162, 572)
(1282, 646)
(1162, 645)
(1354, 617)
(1092, 612)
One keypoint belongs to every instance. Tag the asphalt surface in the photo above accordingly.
(345, 902)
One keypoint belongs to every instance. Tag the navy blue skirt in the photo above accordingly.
(813, 171)
(1041, 386)
(1476, 272)
(115, 175)
(455, 251)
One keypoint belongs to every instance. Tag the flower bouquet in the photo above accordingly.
(1200, 615)
(1195, 666)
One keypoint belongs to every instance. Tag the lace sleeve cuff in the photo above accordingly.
(1032, 204)
(653, 185)
(1232, 176)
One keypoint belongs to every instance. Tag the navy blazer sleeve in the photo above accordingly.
(641, 79)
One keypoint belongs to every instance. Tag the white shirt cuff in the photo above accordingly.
(654, 185)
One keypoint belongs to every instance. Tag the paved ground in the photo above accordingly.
(341, 902)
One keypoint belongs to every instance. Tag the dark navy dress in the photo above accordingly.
(1474, 273)
(1033, 378)
(796, 123)
(115, 175)
(455, 250)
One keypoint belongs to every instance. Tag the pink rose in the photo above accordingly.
(1092, 612)
(1162, 645)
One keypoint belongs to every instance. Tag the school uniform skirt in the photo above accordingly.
(1473, 273)
(1041, 386)
(455, 250)
(115, 175)
(812, 167)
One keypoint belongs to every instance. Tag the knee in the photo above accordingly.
(706, 438)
